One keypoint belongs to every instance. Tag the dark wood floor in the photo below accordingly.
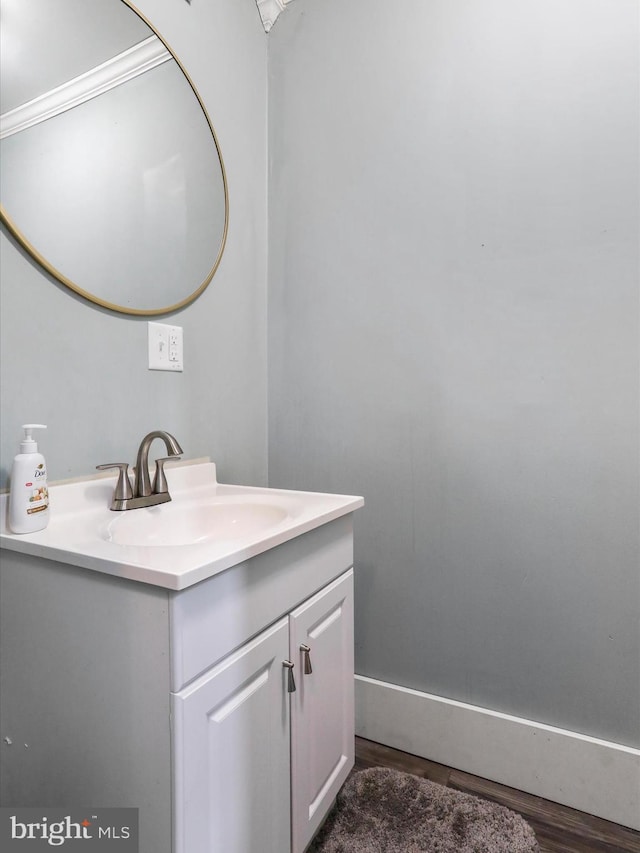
(558, 829)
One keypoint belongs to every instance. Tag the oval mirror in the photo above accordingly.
(112, 177)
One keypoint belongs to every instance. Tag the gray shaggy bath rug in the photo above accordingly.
(385, 811)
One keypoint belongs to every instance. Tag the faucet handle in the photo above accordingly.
(160, 484)
(123, 490)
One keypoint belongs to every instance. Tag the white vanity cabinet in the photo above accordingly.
(264, 741)
(116, 692)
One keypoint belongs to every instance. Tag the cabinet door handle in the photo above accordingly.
(308, 669)
(291, 682)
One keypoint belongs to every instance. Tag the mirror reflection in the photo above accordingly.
(111, 173)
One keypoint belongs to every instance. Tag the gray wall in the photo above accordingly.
(453, 329)
(83, 371)
(453, 333)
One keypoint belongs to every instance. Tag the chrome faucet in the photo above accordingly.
(144, 493)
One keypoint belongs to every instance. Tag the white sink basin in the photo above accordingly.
(188, 524)
(206, 528)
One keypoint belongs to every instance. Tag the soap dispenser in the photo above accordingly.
(28, 496)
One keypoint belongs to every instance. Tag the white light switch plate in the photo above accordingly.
(165, 347)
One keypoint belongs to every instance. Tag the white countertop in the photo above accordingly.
(81, 525)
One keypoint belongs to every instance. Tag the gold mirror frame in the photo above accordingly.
(13, 229)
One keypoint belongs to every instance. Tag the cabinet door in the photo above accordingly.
(231, 753)
(322, 716)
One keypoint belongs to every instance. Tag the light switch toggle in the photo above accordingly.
(165, 347)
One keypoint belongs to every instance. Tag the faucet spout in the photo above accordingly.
(142, 488)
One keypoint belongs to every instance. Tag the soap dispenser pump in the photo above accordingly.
(29, 495)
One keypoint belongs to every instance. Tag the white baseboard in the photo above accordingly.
(595, 776)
